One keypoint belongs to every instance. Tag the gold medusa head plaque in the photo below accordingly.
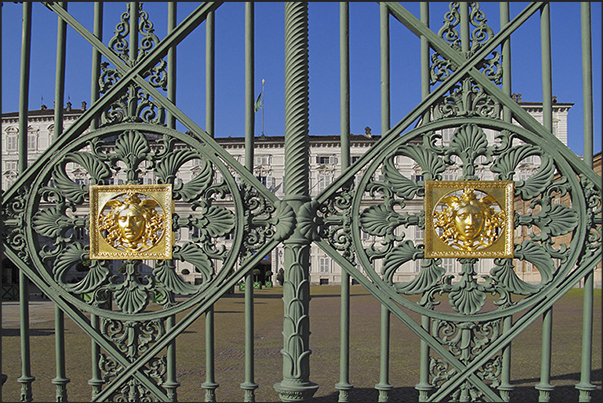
(131, 222)
(471, 219)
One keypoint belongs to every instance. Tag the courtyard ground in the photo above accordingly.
(324, 343)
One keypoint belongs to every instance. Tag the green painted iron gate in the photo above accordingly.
(466, 326)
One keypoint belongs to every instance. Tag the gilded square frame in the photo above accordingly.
(501, 191)
(101, 194)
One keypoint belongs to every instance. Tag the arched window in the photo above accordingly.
(32, 139)
(11, 139)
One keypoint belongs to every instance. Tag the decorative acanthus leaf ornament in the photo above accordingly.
(92, 165)
(468, 144)
(431, 164)
(97, 275)
(96, 169)
(52, 223)
(467, 298)
(193, 254)
(308, 220)
(504, 274)
(72, 191)
(165, 274)
(132, 148)
(167, 167)
(555, 220)
(401, 254)
(402, 186)
(431, 273)
(538, 256)
(380, 220)
(195, 188)
(130, 296)
(283, 221)
(506, 164)
(214, 221)
(73, 254)
(536, 184)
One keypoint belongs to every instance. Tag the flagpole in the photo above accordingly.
(263, 106)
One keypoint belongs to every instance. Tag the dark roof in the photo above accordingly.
(44, 112)
(312, 137)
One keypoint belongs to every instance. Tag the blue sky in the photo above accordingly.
(324, 62)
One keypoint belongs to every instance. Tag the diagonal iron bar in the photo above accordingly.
(465, 67)
(83, 322)
(134, 73)
(406, 319)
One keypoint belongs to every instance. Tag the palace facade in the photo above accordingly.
(269, 168)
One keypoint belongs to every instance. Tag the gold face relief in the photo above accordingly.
(131, 222)
(469, 219)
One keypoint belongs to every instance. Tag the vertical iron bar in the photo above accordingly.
(59, 88)
(96, 381)
(61, 379)
(24, 86)
(465, 25)
(171, 384)
(210, 384)
(210, 68)
(465, 39)
(505, 386)
(296, 385)
(133, 53)
(506, 55)
(26, 378)
(547, 83)
(344, 385)
(385, 90)
(249, 385)
(171, 63)
(425, 59)
(545, 386)
(384, 386)
(585, 386)
(3, 377)
(344, 82)
(587, 82)
(96, 61)
(424, 386)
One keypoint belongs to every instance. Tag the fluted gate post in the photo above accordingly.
(296, 385)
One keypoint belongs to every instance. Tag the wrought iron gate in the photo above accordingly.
(131, 126)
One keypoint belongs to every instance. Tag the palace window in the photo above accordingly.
(32, 141)
(261, 160)
(11, 139)
(326, 160)
(324, 264)
(324, 180)
(10, 165)
(448, 265)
